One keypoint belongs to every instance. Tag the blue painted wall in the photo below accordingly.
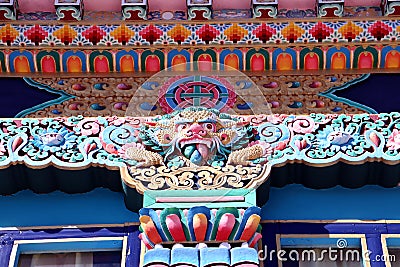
(295, 202)
(292, 202)
(100, 206)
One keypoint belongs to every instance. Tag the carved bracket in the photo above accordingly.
(265, 8)
(9, 10)
(69, 10)
(330, 8)
(198, 148)
(134, 9)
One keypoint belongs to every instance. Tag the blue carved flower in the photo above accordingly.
(80, 28)
(335, 24)
(108, 28)
(193, 39)
(307, 38)
(337, 139)
(250, 39)
(138, 40)
(54, 140)
(249, 26)
(51, 28)
(80, 41)
(222, 26)
(165, 40)
(21, 40)
(221, 39)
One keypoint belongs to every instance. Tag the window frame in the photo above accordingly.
(84, 244)
(385, 247)
(299, 237)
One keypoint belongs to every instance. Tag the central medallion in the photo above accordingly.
(196, 91)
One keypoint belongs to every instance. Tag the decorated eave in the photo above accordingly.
(77, 154)
(310, 44)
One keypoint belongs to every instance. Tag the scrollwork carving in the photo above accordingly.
(199, 148)
(201, 178)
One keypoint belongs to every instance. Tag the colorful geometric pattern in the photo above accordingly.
(200, 257)
(93, 16)
(258, 58)
(145, 33)
(285, 95)
(196, 91)
(200, 224)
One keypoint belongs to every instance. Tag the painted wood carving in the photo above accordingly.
(197, 148)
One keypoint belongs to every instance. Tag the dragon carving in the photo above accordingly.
(197, 137)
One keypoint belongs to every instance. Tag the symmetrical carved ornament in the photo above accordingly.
(289, 94)
(69, 10)
(199, 148)
(391, 7)
(330, 8)
(8, 9)
(200, 224)
(196, 149)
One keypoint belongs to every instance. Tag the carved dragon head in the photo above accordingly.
(203, 136)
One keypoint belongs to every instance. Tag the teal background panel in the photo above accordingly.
(296, 202)
(100, 206)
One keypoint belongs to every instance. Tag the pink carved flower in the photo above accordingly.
(394, 140)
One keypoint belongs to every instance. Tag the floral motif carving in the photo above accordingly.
(187, 178)
(78, 142)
